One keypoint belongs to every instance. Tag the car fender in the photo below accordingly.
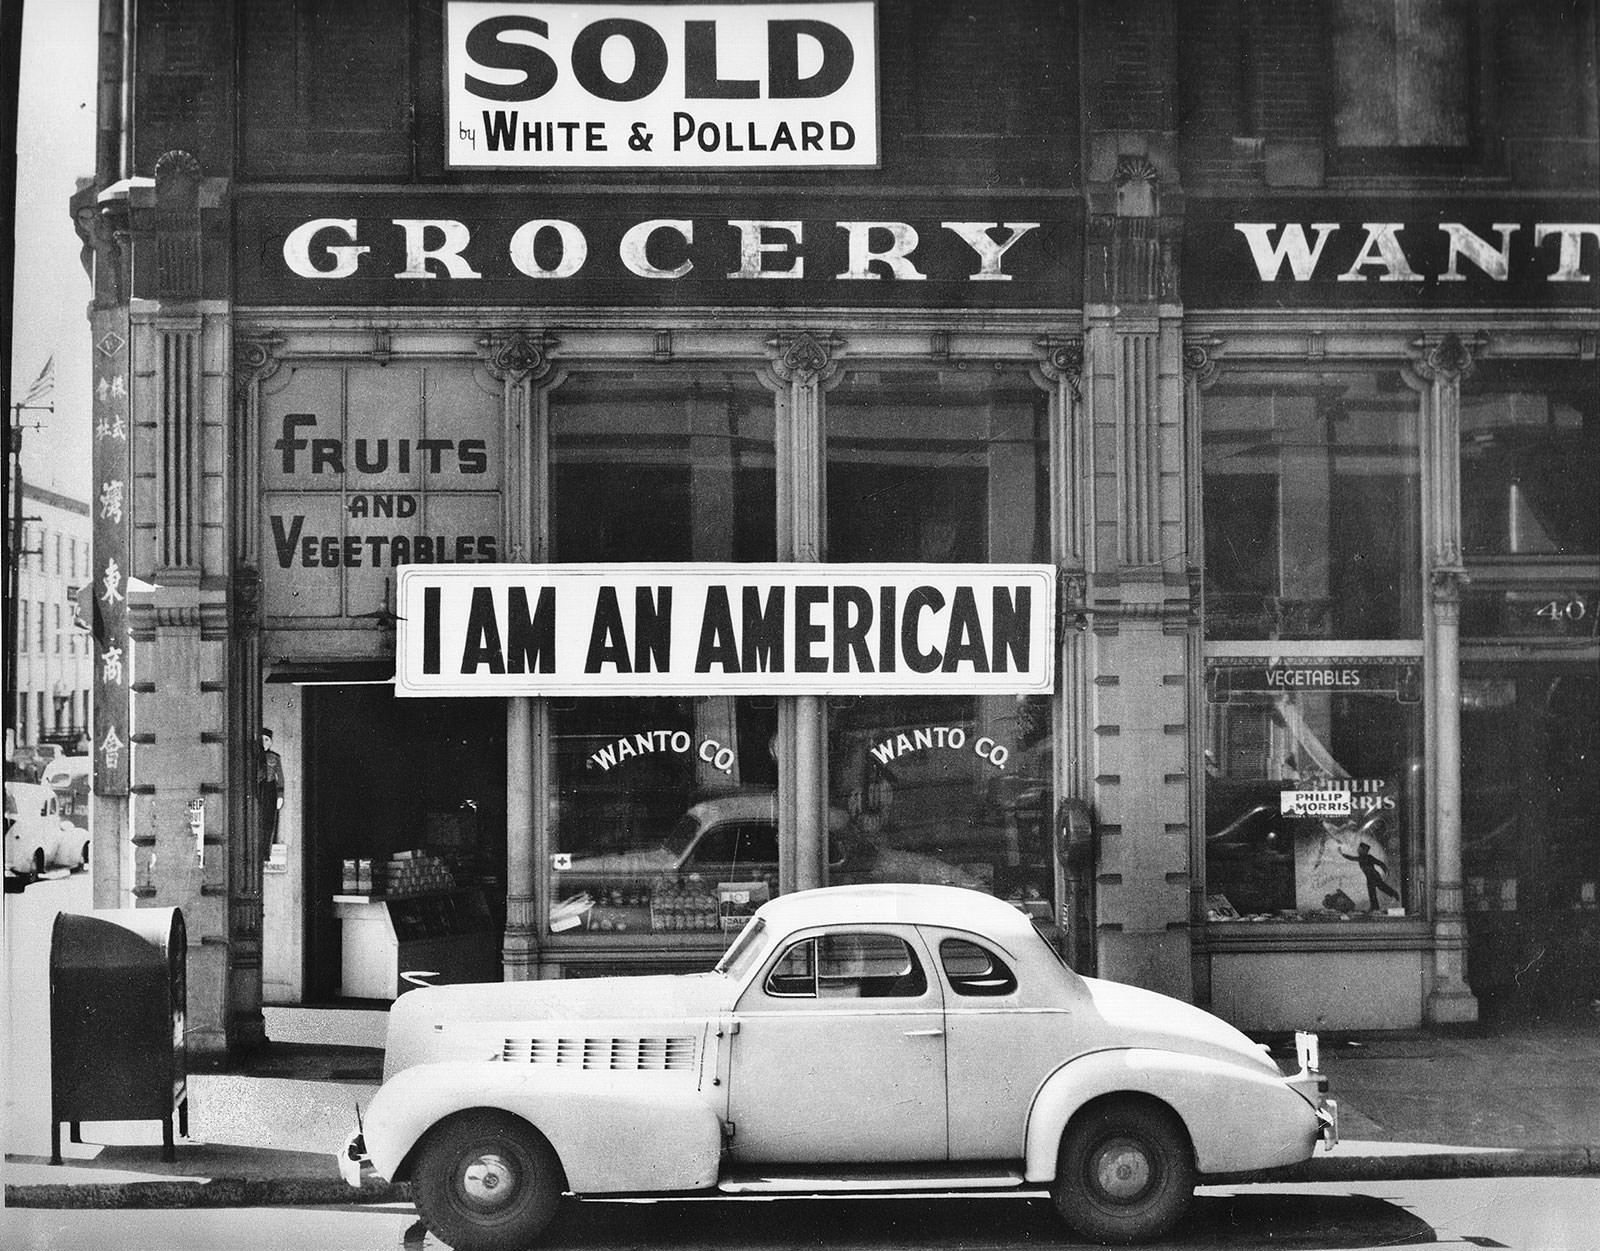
(1238, 1119)
(613, 1132)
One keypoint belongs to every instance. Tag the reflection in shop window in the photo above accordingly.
(1311, 507)
(937, 465)
(662, 466)
(940, 466)
(665, 814)
(665, 809)
(1313, 795)
(1530, 460)
(949, 790)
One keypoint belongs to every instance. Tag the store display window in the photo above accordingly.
(664, 810)
(953, 790)
(1312, 510)
(940, 466)
(1313, 788)
(1530, 460)
(665, 814)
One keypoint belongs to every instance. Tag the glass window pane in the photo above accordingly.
(1530, 460)
(663, 466)
(868, 966)
(952, 790)
(1311, 507)
(665, 814)
(1400, 73)
(1313, 798)
(974, 970)
(937, 465)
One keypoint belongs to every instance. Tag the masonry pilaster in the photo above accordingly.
(1139, 597)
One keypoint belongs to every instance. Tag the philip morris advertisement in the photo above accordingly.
(661, 86)
(779, 629)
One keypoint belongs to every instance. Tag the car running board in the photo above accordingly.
(845, 1181)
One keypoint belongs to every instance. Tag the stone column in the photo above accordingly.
(802, 365)
(1437, 369)
(520, 362)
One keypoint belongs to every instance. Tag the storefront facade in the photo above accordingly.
(1005, 314)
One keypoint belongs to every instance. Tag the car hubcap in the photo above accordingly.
(489, 1180)
(1121, 1169)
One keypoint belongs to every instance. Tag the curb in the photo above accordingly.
(1428, 1166)
(238, 1192)
(219, 1192)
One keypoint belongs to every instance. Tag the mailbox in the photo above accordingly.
(118, 985)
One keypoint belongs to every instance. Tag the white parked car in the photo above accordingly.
(853, 1039)
(36, 834)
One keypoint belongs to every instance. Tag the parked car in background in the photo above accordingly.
(72, 779)
(852, 1039)
(31, 827)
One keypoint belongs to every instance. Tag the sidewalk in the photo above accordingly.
(1482, 1102)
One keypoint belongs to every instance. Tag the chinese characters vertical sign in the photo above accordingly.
(111, 506)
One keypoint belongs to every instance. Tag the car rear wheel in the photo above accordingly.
(487, 1181)
(1126, 1171)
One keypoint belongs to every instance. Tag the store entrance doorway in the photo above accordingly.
(1530, 782)
(414, 792)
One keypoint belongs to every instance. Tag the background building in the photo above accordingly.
(54, 661)
(1270, 328)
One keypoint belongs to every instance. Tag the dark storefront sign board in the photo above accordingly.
(1374, 253)
(112, 512)
(951, 252)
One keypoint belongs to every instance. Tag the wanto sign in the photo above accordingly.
(724, 629)
(661, 86)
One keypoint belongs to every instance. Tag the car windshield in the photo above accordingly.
(746, 949)
(682, 834)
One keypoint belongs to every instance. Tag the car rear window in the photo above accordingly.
(975, 970)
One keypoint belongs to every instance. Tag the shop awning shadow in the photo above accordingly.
(1242, 1219)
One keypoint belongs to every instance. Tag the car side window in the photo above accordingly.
(974, 970)
(738, 842)
(849, 966)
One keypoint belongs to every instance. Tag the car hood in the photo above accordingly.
(1135, 1017)
(477, 1021)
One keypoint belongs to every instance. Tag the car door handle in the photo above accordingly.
(924, 1033)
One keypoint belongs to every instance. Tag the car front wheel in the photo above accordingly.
(1125, 1173)
(487, 1181)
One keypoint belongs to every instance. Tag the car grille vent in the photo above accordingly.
(611, 1054)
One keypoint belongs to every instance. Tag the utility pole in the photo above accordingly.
(15, 505)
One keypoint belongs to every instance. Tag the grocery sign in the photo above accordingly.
(781, 629)
(661, 86)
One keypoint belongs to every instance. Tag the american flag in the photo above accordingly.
(43, 385)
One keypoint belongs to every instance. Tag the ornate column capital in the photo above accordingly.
(517, 355)
(1200, 360)
(804, 357)
(255, 359)
(1442, 358)
(1061, 360)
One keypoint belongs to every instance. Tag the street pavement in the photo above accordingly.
(1505, 1101)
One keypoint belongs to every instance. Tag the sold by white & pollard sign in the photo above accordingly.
(661, 86)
